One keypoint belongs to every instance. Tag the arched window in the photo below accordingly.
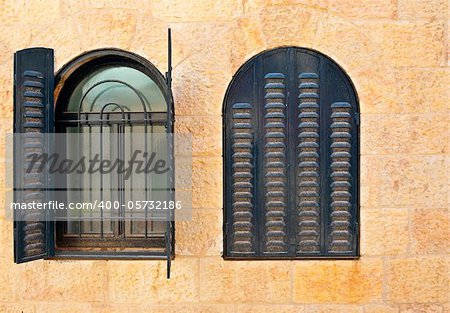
(291, 150)
(118, 101)
(114, 103)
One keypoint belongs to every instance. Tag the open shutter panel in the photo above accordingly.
(33, 118)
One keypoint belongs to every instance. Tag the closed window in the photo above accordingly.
(291, 152)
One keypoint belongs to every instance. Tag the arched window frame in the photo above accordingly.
(35, 81)
(66, 80)
(238, 94)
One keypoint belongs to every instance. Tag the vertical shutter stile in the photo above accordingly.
(242, 147)
(308, 186)
(275, 171)
(33, 121)
(341, 179)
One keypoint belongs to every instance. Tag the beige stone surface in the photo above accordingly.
(244, 282)
(414, 44)
(430, 231)
(202, 80)
(62, 307)
(194, 237)
(365, 9)
(196, 11)
(17, 308)
(9, 286)
(410, 135)
(266, 308)
(334, 308)
(380, 308)
(417, 279)
(420, 308)
(206, 133)
(42, 280)
(423, 90)
(414, 181)
(422, 9)
(207, 182)
(145, 282)
(118, 28)
(277, 33)
(369, 180)
(396, 54)
(386, 231)
(338, 281)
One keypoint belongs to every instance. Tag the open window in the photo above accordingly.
(291, 153)
(109, 103)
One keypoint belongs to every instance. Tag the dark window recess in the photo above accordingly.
(103, 91)
(291, 159)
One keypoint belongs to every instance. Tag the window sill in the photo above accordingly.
(104, 255)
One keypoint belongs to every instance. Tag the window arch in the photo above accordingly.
(291, 158)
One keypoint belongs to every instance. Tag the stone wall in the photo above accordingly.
(396, 53)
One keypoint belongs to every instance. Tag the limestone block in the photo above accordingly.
(38, 12)
(42, 280)
(202, 235)
(404, 134)
(430, 230)
(63, 36)
(369, 180)
(151, 41)
(412, 181)
(345, 282)
(13, 37)
(425, 90)
(244, 282)
(9, 277)
(207, 182)
(380, 308)
(267, 308)
(422, 9)
(351, 46)
(206, 132)
(289, 26)
(17, 308)
(196, 11)
(199, 86)
(421, 308)
(403, 44)
(145, 281)
(384, 231)
(363, 10)
(334, 308)
(417, 279)
(117, 26)
(63, 307)
(246, 39)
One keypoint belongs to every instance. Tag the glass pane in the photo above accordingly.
(114, 88)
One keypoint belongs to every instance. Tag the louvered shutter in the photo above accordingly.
(291, 158)
(33, 118)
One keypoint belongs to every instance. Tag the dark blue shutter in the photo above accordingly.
(33, 118)
(291, 158)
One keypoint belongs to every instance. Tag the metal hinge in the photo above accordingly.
(357, 118)
(225, 226)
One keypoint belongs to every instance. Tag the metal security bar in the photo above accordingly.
(114, 121)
